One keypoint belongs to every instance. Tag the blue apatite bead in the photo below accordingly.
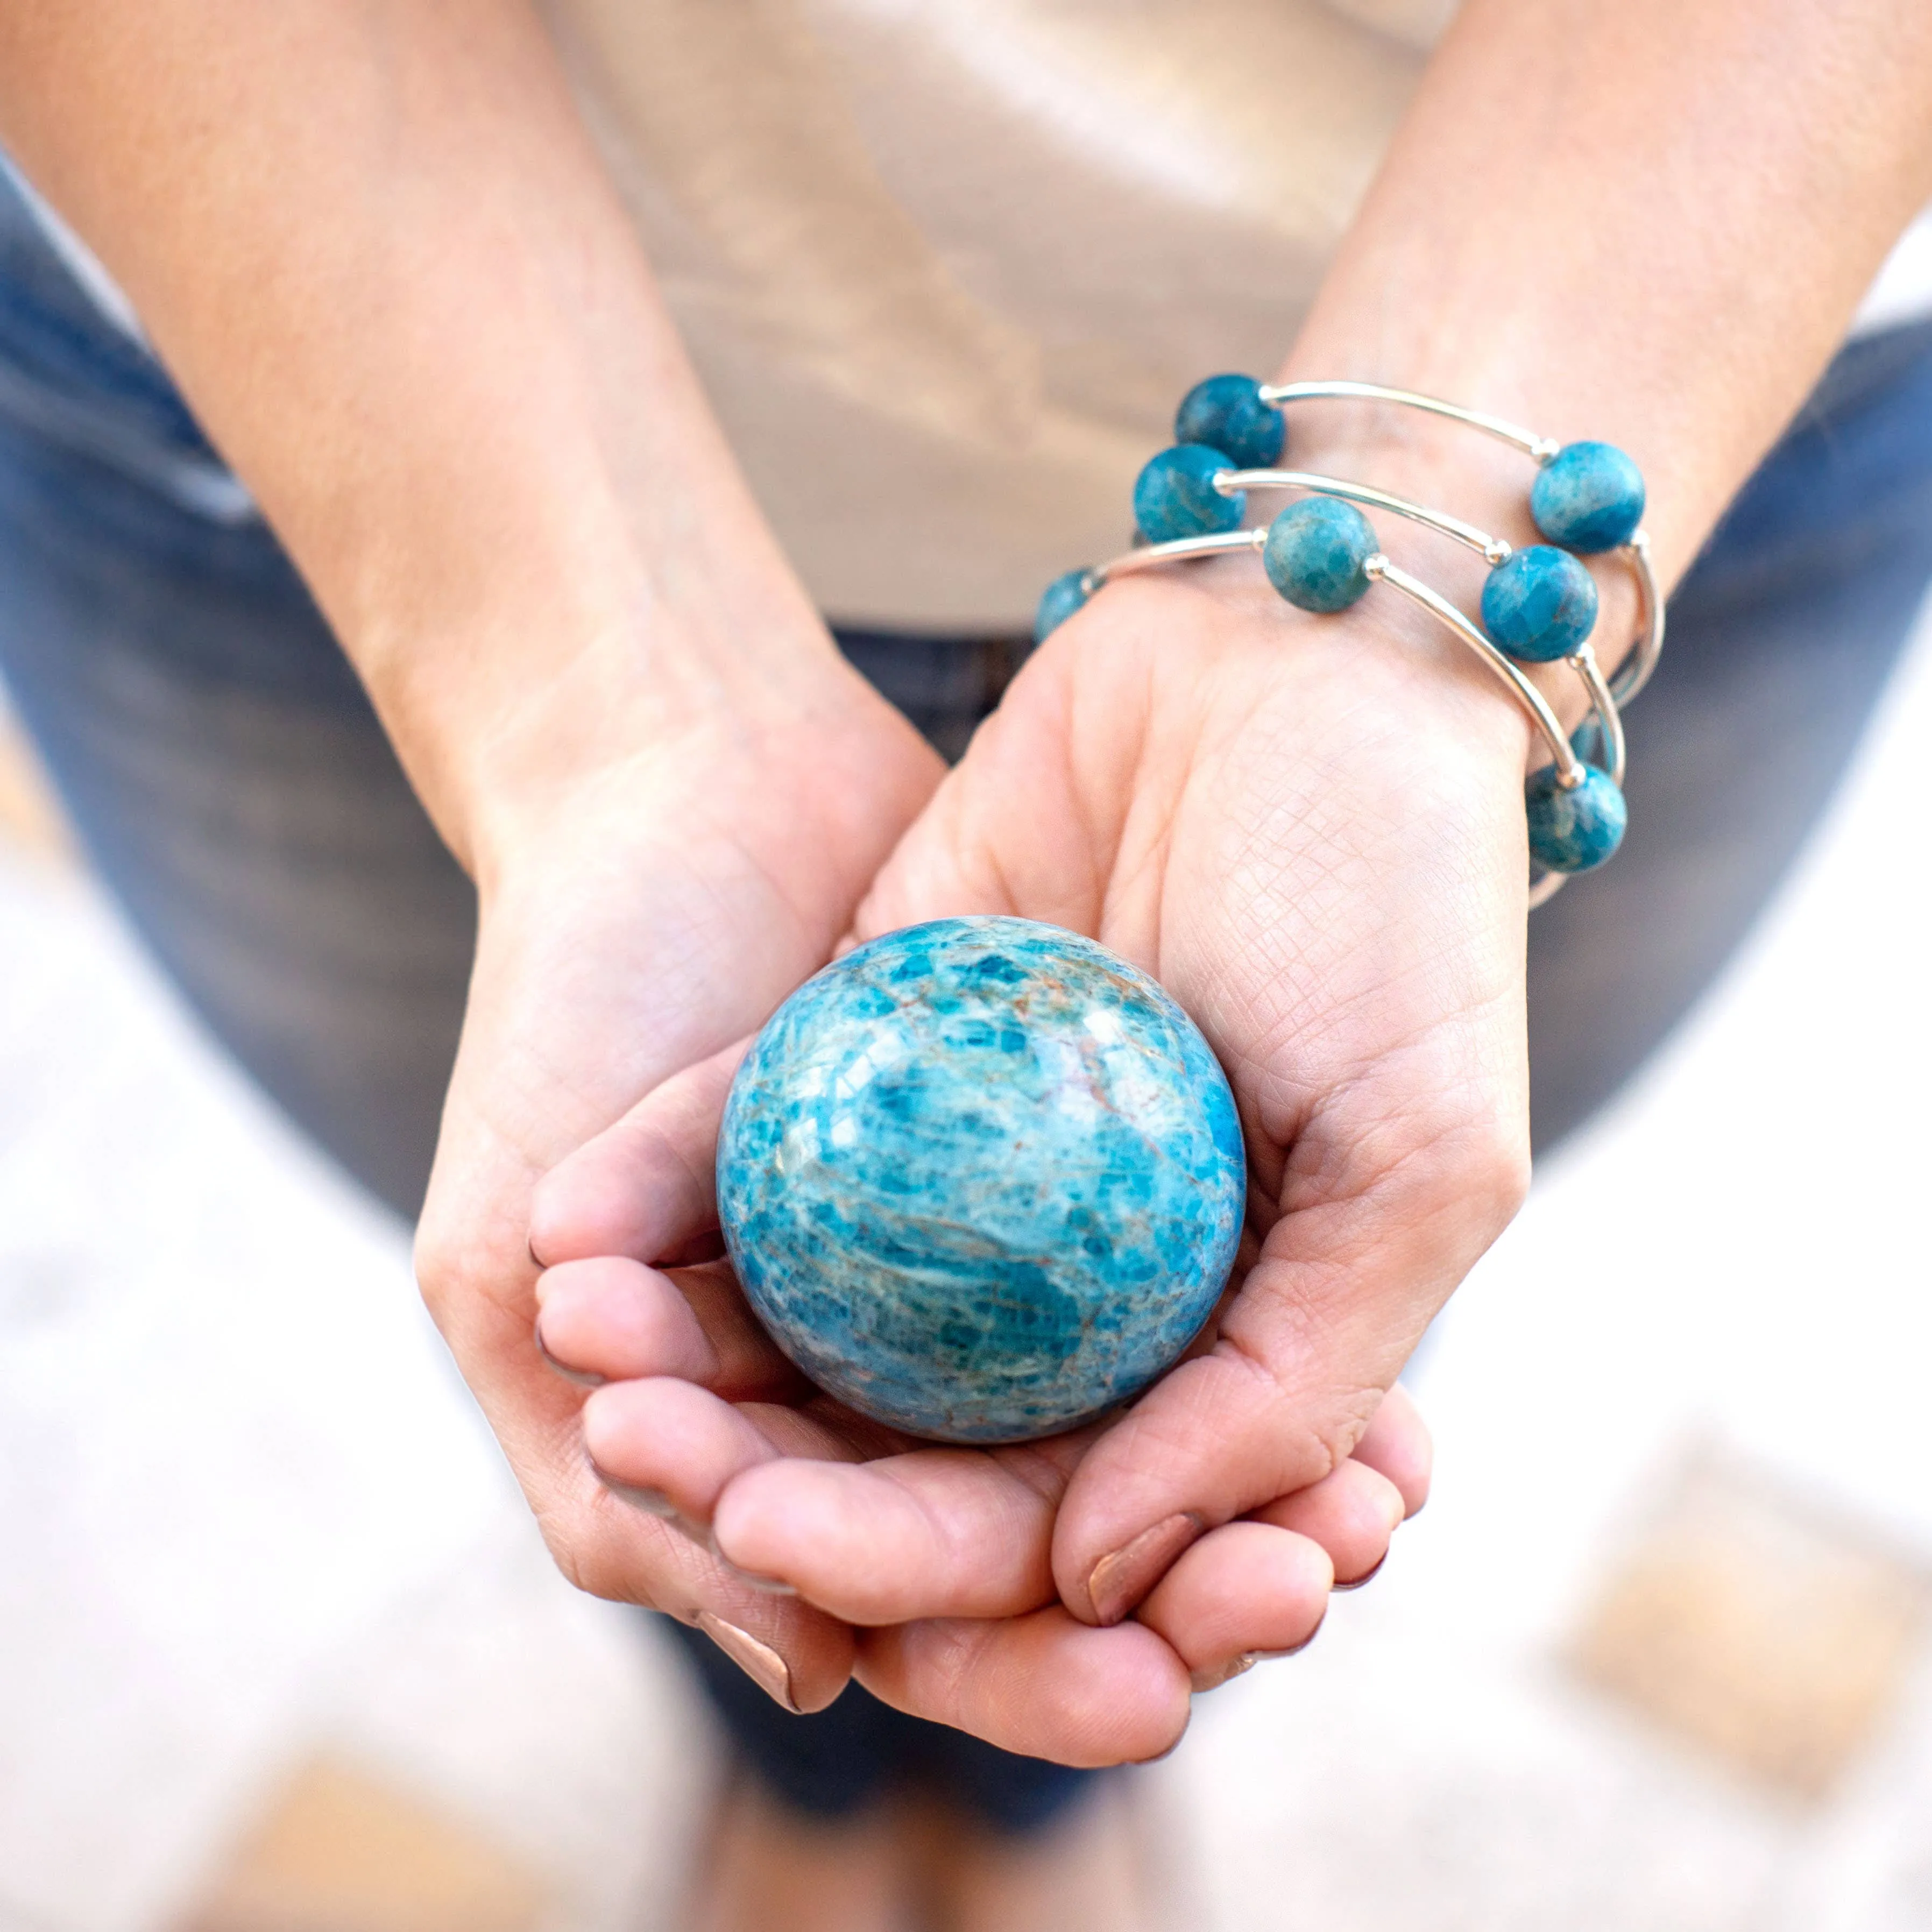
(1059, 601)
(1590, 745)
(1540, 604)
(1174, 496)
(981, 1179)
(1227, 412)
(1587, 497)
(1576, 830)
(1315, 553)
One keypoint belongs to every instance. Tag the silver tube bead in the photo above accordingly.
(1570, 768)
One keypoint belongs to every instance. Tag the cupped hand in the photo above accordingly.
(1311, 831)
(941, 1555)
(648, 910)
(658, 908)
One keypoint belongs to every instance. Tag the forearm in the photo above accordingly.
(376, 249)
(1649, 223)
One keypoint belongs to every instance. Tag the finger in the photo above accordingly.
(606, 1544)
(1351, 1514)
(615, 1320)
(937, 1532)
(670, 1448)
(627, 1545)
(1348, 1277)
(1042, 1685)
(1396, 1444)
(645, 1187)
(1245, 1592)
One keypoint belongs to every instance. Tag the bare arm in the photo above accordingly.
(372, 245)
(1649, 223)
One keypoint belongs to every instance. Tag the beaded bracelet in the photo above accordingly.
(1539, 604)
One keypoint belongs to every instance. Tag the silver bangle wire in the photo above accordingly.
(1542, 447)
(1490, 549)
(1493, 550)
(1640, 659)
(1378, 569)
(1543, 890)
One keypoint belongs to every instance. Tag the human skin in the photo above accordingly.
(374, 248)
(1311, 830)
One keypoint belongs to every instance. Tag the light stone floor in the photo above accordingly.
(249, 1518)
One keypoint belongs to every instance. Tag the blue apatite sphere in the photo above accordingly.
(1315, 553)
(1587, 497)
(1573, 830)
(981, 1179)
(1227, 412)
(1540, 605)
(1174, 496)
(1059, 601)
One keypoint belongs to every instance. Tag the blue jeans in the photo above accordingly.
(224, 771)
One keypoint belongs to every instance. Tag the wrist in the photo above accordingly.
(1456, 469)
(665, 742)
(532, 693)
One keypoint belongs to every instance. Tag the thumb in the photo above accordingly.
(645, 1187)
(1346, 1281)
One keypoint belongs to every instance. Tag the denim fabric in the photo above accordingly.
(1781, 639)
(223, 769)
(860, 1751)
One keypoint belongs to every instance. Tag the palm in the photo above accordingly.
(672, 900)
(1312, 835)
(707, 1423)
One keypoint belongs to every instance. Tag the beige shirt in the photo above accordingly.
(946, 266)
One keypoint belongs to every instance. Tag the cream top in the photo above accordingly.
(946, 266)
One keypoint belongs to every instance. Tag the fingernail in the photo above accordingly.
(752, 1580)
(1294, 1649)
(583, 1377)
(1212, 1680)
(759, 1662)
(652, 1502)
(1120, 1579)
(1366, 1576)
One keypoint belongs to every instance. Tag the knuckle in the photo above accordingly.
(1492, 1167)
(596, 1565)
(441, 1263)
(1470, 1162)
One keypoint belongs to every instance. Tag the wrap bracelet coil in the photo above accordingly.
(1539, 604)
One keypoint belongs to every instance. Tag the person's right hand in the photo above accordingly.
(642, 911)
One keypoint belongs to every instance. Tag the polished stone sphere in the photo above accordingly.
(981, 1179)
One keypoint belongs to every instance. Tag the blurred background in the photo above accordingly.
(280, 1651)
